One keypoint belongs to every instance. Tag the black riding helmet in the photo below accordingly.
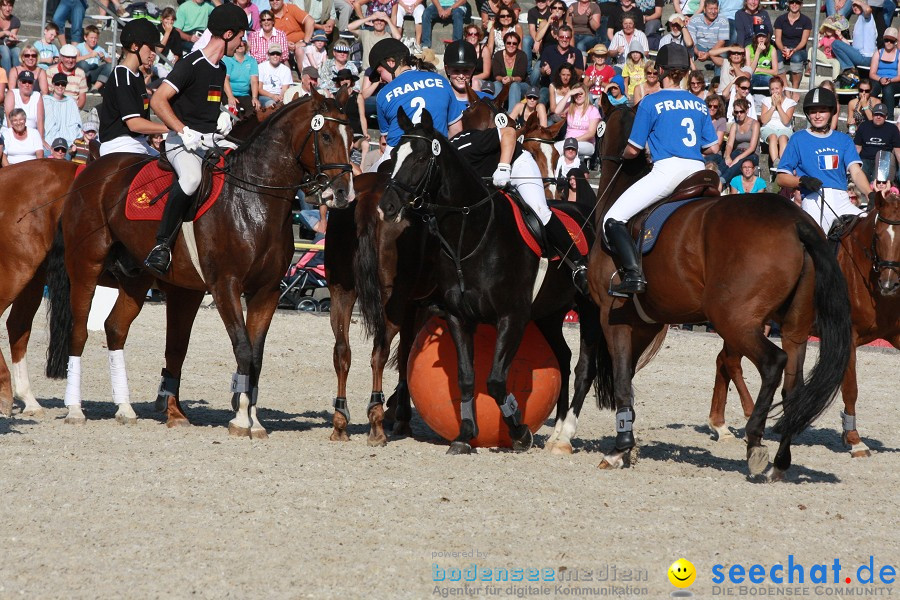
(141, 32)
(227, 17)
(820, 97)
(673, 56)
(460, 54)
(382, 51)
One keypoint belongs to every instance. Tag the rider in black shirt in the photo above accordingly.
(189, 102)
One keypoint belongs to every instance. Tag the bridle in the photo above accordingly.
(879, 265)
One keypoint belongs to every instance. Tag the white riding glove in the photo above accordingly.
(502, 175)
(190, 139)
(223, 125)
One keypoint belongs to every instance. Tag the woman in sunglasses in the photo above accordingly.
(510, 67)
(743, 139)
(649, 85)
(860, 108)
(734, 68)
(504, 23)
(29, 62)
(741, 91)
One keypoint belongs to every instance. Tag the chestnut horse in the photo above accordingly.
(241, 247)
(736, 263)
(869, 255)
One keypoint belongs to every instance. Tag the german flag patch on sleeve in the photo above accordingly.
(214, 94)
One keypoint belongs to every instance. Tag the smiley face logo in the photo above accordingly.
(682, 573)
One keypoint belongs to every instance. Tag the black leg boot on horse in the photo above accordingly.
(160, 256)
(559, 236)
(627, 260)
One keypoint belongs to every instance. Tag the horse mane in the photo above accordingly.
(276, 117)
(447, 147)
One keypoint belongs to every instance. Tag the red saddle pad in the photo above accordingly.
(571, 224)
(152, 182)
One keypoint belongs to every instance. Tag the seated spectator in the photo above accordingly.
(874, 135)
(716, 107)
(73, 12)
(650, 84)
(522, 111)
(296, 24)
(509, 68)
(697, 84)
(29, 58)
(9, 35)
(633, 69)
(582, 119)
(252, 14)
(616, 12)
(762, 58)
(368, 38)
(267, 36)
(652, 12)
(339, 64)
(562, 84)
(502, 25)
(860, 108)
(747, 20)
(28, 100)
(677, 33)
(414, 9)
(316, 53)
(747, 182)
(61, 116)
(444, 11)
(579, 190)
(625, 41)
(743, 140)
(555, 56)
(863, 47)
(568, 160)
(170, 43)
(59, 149)
(93, 60)
(828, 34)
(77, 87)
(792, 31)
(709, 31)
(488, 10)
(48, 54)
(546, 29)
(615, 91)
(328, 13)
(599, 73)
(741, 92)
(20, 142)
(274, 78)
(309, 81)
(776, 118)
(883, 72)
(735, 68)
(81, 148)
(242, 81)
(583, 17)
(190, 21)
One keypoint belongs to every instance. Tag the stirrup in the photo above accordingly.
(632, 283)
(159, 259)
(579, 279)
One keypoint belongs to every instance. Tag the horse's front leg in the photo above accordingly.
(261, 308)
(463, 334)
(510, 330)
(620, 342)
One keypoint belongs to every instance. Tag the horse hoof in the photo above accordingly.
(258, 433)
(238, 431)
(459, 448)
(524, 443)
(377, 441)
(860, 451)
(124, 420)
(610, 462)
(75, 420)
(401, 429)
(339, 436)
(774, 474)
(160, 404)
(723, 434)
(36, 413)
(177, 422)
(561, 449)
(757, 459)
(6, 409)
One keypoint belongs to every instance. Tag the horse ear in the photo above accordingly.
(318, 98)
(342, 95)
(605, 105)
(531, 122)
(473, 97)
(500, 100)
(403, 120)
(555, 128)
(426, 121)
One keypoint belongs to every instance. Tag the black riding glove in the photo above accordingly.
(810, 183)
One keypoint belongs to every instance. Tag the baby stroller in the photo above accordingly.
(301, 285)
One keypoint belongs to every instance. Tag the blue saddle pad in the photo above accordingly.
(654, 223)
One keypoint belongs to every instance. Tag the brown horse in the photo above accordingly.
(241, 247)
(539, 142)
(869, 255)
(397, 256)
(736, 263)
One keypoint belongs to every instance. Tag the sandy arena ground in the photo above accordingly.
(111, 511)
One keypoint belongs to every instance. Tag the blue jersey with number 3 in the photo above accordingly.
(674, 123)
(415, 91)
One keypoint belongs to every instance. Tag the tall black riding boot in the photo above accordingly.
(620, 241)
(559, 236)
(160, 257)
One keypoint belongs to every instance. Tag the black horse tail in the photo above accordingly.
(366, 270)
(603, 382)
(60, 314)
(810, 399)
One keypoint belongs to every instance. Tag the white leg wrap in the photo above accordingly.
(73, 382)
(569, 427)
(119, 377)
(22, 384)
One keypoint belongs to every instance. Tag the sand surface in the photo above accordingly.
(112, 511)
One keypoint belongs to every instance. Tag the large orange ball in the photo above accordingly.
(432, 377)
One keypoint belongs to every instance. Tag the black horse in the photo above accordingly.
(485, 273)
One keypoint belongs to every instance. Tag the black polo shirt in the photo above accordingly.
(872, 138)
(791, 34)
(481, 148)
(616, 14)
(124, 97)
(551, 55)
(199, 86)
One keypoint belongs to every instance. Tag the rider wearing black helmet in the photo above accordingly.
(817, 160)
(190, 104)
(460, 60)
(125, 112)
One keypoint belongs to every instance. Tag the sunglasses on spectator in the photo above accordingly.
(697, 82)
(29, 55)
(505, 17)
(274, 53)
(513, 44)
(886, 40)
(739, 112)
(341, 51)
(557, 8)
(267, 20)
(26, 82)
(746, 89)
(564, 37)
(59, 149)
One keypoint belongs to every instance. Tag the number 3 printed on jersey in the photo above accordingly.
(691, 139)
(417, 103)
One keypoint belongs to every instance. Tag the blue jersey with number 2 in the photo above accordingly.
(674, 123)
(415, 91)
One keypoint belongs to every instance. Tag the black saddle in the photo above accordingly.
(536, 228)
(841, 226)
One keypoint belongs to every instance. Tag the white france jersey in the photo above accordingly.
(825, 157)
(674, 123)
(415, 91)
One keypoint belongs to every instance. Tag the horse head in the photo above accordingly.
(486, 112)
(415, 165)
(327, 159)
(886, 243)
(538, 141)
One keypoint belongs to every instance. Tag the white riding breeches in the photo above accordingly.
(187, 165)
(526, 178)
(126, 143)
(837, 203)
(656, 185)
